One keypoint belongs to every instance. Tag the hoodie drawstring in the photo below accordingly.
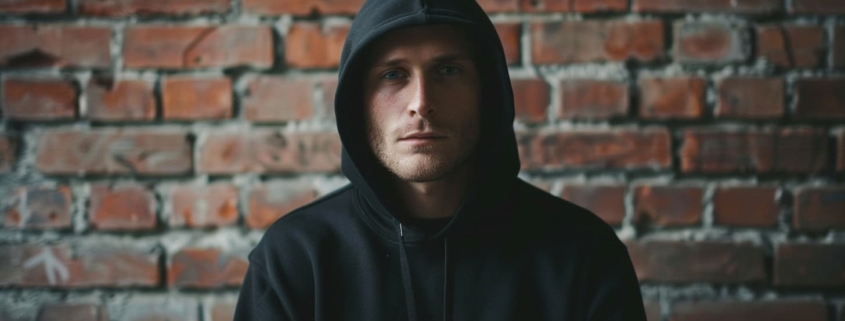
(410, 299)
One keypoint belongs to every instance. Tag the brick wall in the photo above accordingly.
(145, 145)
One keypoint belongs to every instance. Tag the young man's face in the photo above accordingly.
(421, 102)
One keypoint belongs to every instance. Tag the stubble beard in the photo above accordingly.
(427, 163)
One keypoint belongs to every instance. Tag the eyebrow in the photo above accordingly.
(438, 59)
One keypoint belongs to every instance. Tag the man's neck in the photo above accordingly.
(435, 199)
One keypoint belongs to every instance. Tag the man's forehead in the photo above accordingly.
(443, 42)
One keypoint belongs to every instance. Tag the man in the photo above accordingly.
(435, 225)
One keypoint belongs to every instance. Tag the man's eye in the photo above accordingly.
(393, 74)
(449, 70)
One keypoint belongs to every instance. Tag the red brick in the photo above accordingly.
(33, 7)
(496, 6)
(124, 8)
(206, 268)
(111, 152)
(278, 99)
(39, 99)
(679, 97)
(329, 88)
(120, 100)
(8, 153)
(175, 47)
(750, 97)
(40, 208)
(510, 35)
(820, 98)
(208, 206)
(124, 207)
(730, 6)
(24, 265)
(55, 45)
(592, 99)
(196, 98)
(72, 311)
(302, 7)
(745, 206)
(652, 310)
(668, 205)
(222, 311)
(613, 149)
(791, 46)
(271, 201)
(266, 151)
(309, 45)
(778, 310)
(708, 42)
(838, 50)
(819, 208)
(689, 262)
(826, 7)
(586, 6)
(531, 99)
(790, 151)
(810, 265)
(593, 40)
(606, 201)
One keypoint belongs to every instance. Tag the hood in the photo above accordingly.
(496, 154)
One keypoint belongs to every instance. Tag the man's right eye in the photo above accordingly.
(393, 74)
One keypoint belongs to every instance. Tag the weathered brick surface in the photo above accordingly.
(668, 205)
(595, 149)
(606, 201)
(39, 207)
(838, 47)
(820, 98)
(593, 99)
(787, 150)
(677, 97)
(33, 7)
(203, 206)
(111, 100)
(310, 45)
(809, 265)
(596, 40)
(269, 202)
(498, 6)
(265, 151)
(688, 262)
(62, 266)
(510, 34)
(728, 6)
(124, 207)
(8, 153)
(819, 208)
(176, 47)
(54, 45)
(113, 152)
(826, 7)
(708, 42)
(37, 99)
(196, 98)
(586, 6)
(531, 99)
(744, 206)
(791, 45)
(155, 307)
(278, 99)
(785, 309)
(72, 312)
(750, 97)
(123, 8)
(302, 7)
(652, 310)
(206, 268)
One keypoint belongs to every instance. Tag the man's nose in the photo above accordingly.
(421, 103)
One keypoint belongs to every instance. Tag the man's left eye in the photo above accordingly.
(449, 70)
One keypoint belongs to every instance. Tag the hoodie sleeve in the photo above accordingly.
(612, 289)
(258, 300)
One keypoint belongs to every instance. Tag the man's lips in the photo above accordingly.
(423, 136)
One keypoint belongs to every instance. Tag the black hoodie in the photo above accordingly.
(510, 252)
